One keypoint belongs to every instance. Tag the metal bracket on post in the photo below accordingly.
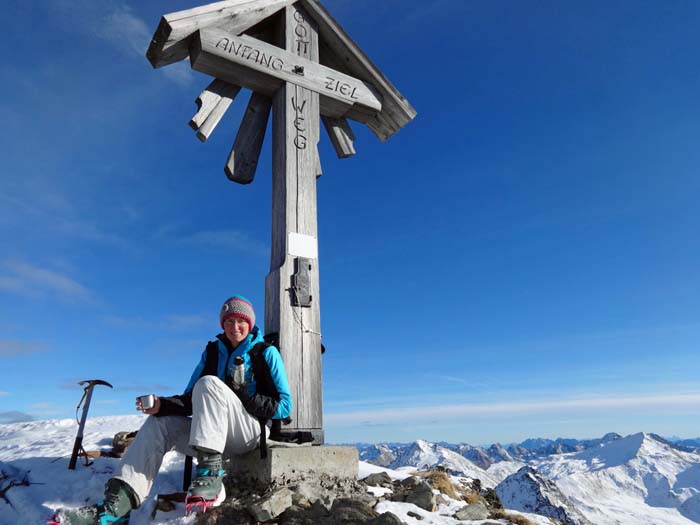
(301, 283)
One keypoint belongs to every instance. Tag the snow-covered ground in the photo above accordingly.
(443, 515)
(637, 480)
(40, 451)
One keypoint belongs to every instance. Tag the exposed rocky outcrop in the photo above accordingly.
(475, 511)
(326, 501)
(528, 491)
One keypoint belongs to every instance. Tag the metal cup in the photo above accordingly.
(147, 401)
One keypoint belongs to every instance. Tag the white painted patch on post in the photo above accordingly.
(300, 245)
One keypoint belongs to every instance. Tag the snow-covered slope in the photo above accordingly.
(381, 455)
(500, 471)
(637, 480)
(39, 451)
(476, 455)
(529, 491)
(422, 454)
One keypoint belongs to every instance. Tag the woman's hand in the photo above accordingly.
(150, 411)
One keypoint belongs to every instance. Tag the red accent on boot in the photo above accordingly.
(197, 504)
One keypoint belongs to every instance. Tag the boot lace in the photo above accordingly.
(110, 502)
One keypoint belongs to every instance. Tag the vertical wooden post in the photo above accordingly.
(294, 272)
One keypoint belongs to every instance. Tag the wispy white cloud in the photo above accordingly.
(178, 233)
(181, 322)
(180, 73)
(186, 322)
(226, 239)
(128, 322)
(129, 33)
(13, 348)
(25, 279)
(142, 388)
(124, 30)
(44, 405)
(117, 24)
(54, 213)
(438, 412)
(146, 388)
(4, 394)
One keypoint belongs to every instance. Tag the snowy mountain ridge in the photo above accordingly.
(640, 471)
(641, 479)
(386, 454)
(423, 454)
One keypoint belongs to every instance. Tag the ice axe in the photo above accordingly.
(87, 396)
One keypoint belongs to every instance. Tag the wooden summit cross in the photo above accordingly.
(299, 63)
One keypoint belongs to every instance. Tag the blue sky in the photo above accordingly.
(521, 260)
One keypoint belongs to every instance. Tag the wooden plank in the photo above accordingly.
(171, 40)
(243, 159)
(339, 51)
(264, 68)
(341, 136)
(295, 133)
(217, 113)
(319, 168)
(209, 98)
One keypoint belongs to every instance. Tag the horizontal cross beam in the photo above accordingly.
(262, 67)
(171, 40)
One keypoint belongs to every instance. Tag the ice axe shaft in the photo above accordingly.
(87, 397)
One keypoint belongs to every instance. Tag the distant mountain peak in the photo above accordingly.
(615, 453)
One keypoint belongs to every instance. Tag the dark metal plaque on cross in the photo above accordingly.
(302, 67)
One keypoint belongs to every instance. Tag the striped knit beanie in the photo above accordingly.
(238, 306)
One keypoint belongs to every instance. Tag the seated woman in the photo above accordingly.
(226, 420)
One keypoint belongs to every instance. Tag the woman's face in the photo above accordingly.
(236, 330)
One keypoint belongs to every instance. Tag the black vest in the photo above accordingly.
(264, 384)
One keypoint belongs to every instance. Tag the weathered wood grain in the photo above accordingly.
(262, 67)
(171, 40)
(243, 159)
(319, 167)
(209, 98)
(216, 114)
(341, 135)
(295, 133)
(339, 51)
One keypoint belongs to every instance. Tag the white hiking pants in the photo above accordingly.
(219, 423)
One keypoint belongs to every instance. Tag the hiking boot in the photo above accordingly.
(207, 488)
(115, 509)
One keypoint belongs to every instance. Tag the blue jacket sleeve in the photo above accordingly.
(279, 377)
